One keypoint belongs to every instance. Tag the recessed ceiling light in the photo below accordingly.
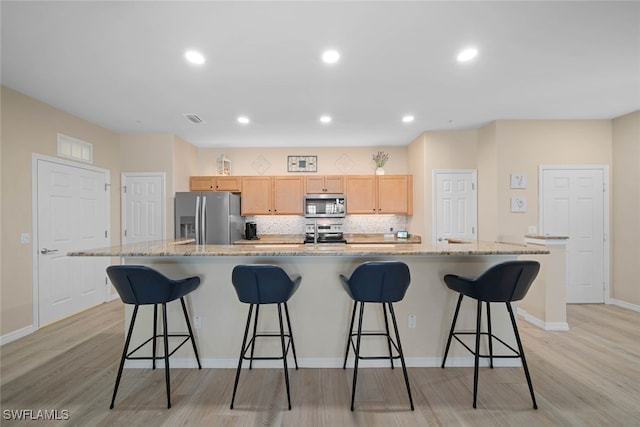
(244, 120)
(325, 119)
(467, 55)
(194, 57)
(408, 119)
(331, 56)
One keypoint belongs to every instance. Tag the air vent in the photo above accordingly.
(193, 118)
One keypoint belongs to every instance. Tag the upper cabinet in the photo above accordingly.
(215, 183)
(379, 194)
(288, 195)
(202, 183)
(325, 184)
(277, 195)
(229, 183)
(360, 194)
(395, 194)
(284, 195)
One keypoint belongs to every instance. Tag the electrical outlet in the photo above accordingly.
(412, 321)
(197, 322)
(533, 229)
(24, 238)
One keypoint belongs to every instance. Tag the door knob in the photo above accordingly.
(46, 251)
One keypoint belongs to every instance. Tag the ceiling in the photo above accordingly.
(121, 65)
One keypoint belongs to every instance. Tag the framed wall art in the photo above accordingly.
(302, 163)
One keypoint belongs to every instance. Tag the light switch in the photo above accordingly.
(24, 238)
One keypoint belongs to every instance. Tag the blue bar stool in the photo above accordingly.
(264, 284)
(383, 282)
(140, 285)
(505, 282)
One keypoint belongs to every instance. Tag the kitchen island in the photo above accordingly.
(320, 310)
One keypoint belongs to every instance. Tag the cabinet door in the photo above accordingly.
(334, 184)
(202, 183)
(256, 195)
(395, 194)
(229, 183)
(360, 194)
(288, 195)
(314, 184)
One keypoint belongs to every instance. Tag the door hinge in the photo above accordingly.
(473, 230)
(125, 233)
(124, 188)
(473, 185)
(106, 233)
(106, 186)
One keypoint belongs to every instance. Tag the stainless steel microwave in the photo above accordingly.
(324, 206)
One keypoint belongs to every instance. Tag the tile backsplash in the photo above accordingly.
(294, 224)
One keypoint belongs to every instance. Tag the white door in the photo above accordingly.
(455, 205)
(573, 205)
(72, 214)
(143, 207)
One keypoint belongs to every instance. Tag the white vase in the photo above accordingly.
(379, 170)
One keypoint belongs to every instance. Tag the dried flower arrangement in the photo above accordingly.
(380, 158)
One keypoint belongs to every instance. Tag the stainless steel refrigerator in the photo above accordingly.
(211, 218)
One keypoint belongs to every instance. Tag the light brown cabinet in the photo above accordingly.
(395, 194)
(267, 195)
(360, 194)
(331, 184)
(202, 183)
(215, 183)
(229, 183)
(379, 194)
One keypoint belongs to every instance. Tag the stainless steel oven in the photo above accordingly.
(324, 206)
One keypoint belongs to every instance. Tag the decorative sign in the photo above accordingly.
(302, 164)
(518, 181)
(518, 204)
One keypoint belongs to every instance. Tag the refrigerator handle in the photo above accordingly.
(197, 220)
(203, 218)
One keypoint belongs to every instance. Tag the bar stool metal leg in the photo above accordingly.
(386, 325)
(293, 346)
(489, 334)
(521, 350)
(193, 341)
(124, 355)
(166, 354)
(253, 335)
(353, 317)
(453, 326)
(155, 335)
(284, 355)
(477, 354)
(404, 366)
(242, 353)
(355, 367)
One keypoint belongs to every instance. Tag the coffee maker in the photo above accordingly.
(251, 231)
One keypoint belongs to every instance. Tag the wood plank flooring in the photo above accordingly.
(589, 376)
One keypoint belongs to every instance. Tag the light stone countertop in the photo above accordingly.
(179, 248)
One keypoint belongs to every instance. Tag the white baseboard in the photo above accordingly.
(624, 304)
(20, 333)
(412, 362)
(547, 326)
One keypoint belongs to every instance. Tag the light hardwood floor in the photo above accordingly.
(589, 376)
